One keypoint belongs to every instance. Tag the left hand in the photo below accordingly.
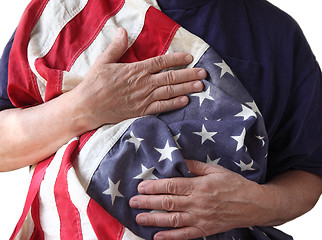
(215, 201)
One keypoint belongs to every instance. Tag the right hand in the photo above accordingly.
(112, 92)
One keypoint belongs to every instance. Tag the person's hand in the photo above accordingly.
(112, 92)
(215, 201)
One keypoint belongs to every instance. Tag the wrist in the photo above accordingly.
(267, 205)
(273, 206)
(80, 113)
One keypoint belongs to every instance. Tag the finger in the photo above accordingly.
(165, 219)
(198, 168)
(171, 91)
(161, 106)
(161, 202)
(159, 63)
(184, 233)
(179, 76)
(176, 186)
(116, 48)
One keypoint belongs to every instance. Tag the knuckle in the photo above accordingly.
(176, 220)
(168, 203)
(157, 107)
(161, 62)
(151, 84)
(171, 77)
(171, 186)
(169, 92)
(137, 67)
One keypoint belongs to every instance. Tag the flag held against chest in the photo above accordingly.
(82, 192)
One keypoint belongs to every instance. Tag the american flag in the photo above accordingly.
(82, 192)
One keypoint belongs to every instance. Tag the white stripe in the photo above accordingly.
(96, 148)
(153, 3)
(81, 200)
(128, 235)
(55, 16)
(184, 41)
(131, 17)
(49, 218)
(27, 228)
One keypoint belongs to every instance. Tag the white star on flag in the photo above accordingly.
(166, 152)
(215, 161)
(262, 139)
(136, 141)
(205, 135)
(176, 138)
(240, 139)
(246, 113)
(146, 173)
(203, 95)
(254, 107)
(244, 167)
(224, 68)
(113, 190)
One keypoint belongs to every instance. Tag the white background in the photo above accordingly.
(13, 185)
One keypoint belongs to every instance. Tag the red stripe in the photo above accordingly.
(154, 39)
(84, 138)
(22, 85)
(34, 186)
(70, 225)
(74, 38)
(38, 233)
(104, 225)
(38, 176)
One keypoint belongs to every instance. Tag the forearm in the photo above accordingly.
(290, 195)
(33, 134)
(109, 93)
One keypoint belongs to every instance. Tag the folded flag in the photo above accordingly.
(82, 192)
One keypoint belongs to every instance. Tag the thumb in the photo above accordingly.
(198, 168)
(116, 48)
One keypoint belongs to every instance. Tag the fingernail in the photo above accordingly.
(188, 58)
(159, 238)
(141, 220)
(198, 85)
(135, 204)
(141, 187)
(119, 33)
(184, 99)
(202, 73)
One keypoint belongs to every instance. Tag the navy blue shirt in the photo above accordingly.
(268, 52)
(4, 99)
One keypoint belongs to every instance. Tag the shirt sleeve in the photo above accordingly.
(5, 102)
(310, 133)
(297, 143)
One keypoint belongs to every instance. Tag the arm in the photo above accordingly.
(295, 193)
(110, 93)
(230, 200)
